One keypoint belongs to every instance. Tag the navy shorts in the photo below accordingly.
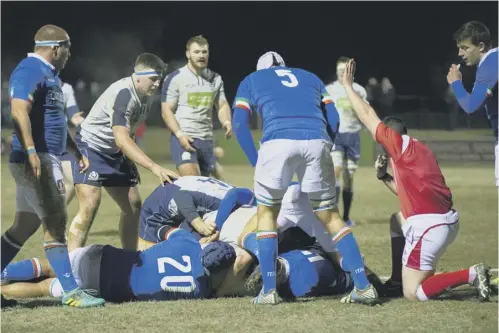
(108, 170)
(203, 156)
(68, 156)
(348, 144)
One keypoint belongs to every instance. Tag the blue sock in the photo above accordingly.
(23, 270)
(338, 190)
(9, 249)
(267, 250)
(250, 243)
(57, 255)
(352, 260)
(347, 202)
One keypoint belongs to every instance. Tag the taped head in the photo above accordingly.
(270, 59)
(218, 256)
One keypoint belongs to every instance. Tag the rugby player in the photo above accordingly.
(475, 49)
(74, 119)
(187, 100)
(176, 268)
(105, 138)
(428, 223)
(39, 140)
(346, 148)
(297, 138)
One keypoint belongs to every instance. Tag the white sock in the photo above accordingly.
(421, 295)
(471, 274)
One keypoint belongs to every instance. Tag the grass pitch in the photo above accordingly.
(475, 197)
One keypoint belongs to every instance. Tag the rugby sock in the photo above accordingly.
(250, 243)
(23, 270)
(57, 255)
(9, 248)
(267, 257)
(338, 190)
(347, 203)
(437, 284)
(398, 244)
(352, 260)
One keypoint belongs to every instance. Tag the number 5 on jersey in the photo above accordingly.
(293, 81)
(177, 283)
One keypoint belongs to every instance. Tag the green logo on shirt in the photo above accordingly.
(200, 99)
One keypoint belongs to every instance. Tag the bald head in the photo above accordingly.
(51, 32)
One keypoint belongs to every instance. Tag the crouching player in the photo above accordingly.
(169, 205)
(177, 268)
(428, 223)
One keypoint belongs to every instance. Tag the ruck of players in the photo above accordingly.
(195, 235)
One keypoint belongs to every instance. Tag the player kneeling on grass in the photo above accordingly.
(428, 223)
(177, 268)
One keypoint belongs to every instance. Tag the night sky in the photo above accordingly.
(405, 41)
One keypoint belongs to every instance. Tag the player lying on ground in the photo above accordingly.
(239, 230)
(169, 205)
(428, 223)
(105, 137)
(176, 268)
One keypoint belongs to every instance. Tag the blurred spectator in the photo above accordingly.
(387, 97)
(373, 90)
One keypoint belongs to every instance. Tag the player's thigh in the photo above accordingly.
(76, 258)
(235, 224)
(127, 198)
(278, 161)
(183, 157)
(89, 198)
(67, 161)
(338, 158)
(426, 243)
(317, 178)
(46, 195)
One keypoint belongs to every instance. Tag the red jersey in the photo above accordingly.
(420, 184)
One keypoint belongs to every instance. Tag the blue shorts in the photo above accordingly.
(68, 156)
(311, 274)
(108, 170)
(203, 156)
(348, 144)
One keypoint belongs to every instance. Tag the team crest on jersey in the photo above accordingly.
(93, 176)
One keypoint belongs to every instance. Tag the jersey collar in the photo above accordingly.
(486, 55)
(42, 59)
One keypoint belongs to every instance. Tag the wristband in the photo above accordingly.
(386, 177)
(30, 150)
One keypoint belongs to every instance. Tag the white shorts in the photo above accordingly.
(296, 211)
(279, 160)
(43, 197)
(235, 224)
(427, 236)
(496, 151)
(75, 258)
